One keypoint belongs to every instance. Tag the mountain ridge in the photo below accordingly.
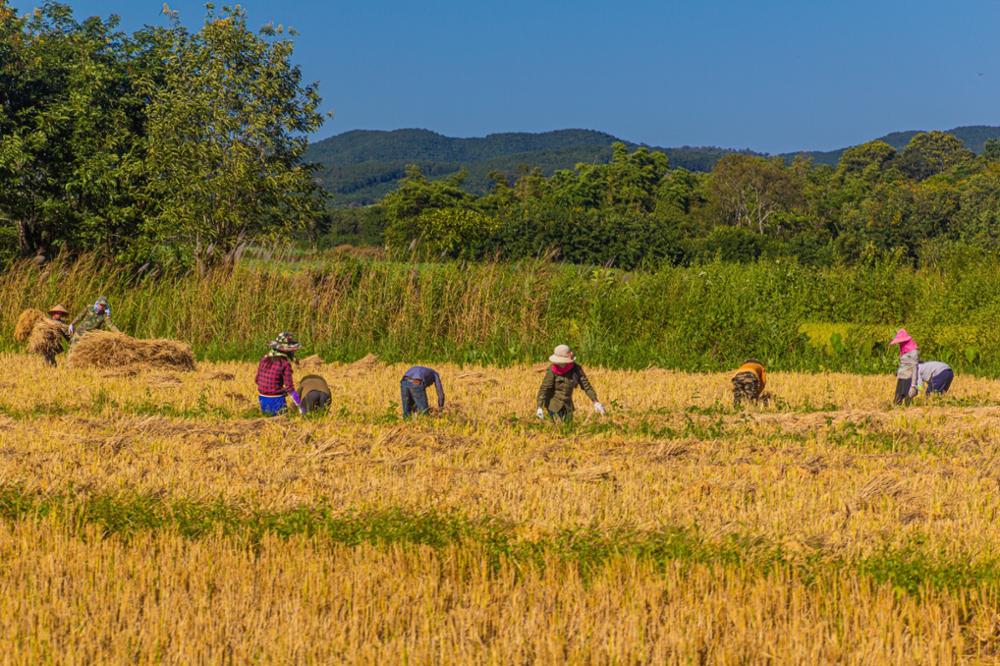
(360, 166)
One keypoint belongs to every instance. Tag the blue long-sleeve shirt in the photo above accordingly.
(427, 377)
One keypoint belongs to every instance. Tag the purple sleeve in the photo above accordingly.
(439, 389)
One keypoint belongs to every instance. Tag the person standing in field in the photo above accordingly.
(274, 376)
(555, 397)
(907, 374)
(413, 390)
(58, 314)
(749, 382)
(95, 318)
(934, 377)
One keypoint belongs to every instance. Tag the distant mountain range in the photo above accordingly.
(361, 166)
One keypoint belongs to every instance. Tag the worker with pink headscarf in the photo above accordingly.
(907, 374)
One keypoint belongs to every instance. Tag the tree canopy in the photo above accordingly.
(163, 145)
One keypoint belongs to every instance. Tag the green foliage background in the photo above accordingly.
(706, 317)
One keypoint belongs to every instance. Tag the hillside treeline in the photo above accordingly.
(162, 147)
(934, 196)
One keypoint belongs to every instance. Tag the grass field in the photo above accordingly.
(152, 517)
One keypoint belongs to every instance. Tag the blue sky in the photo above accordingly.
(772, 75)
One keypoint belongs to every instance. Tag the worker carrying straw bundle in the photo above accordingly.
(555, 397)
(274, 376)
(49, 333)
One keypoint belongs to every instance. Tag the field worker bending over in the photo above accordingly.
(934, 377)
(907, 375)
(58, 314)
(315, 394)
(555, 397)
(413, 390)
(749, 382)
(95, 318)
(274, 375)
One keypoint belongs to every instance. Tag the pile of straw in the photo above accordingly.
(25, 322)
(46, 337)
(103, 349)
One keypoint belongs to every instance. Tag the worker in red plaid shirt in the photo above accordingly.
(274, 376)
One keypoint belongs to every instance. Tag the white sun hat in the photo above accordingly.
(562, 355)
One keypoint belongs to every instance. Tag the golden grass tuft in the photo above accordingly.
(837, 491)
(46, 337)
(25, 323)
(103, 349)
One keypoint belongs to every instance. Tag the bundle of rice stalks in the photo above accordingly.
(46, 337)
(103, 349)
(25, 323)
(314, 361)
(367, 363)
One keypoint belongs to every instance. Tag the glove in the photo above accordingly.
(912, 392)
(540, 413)
(71, 329)
(599, 408)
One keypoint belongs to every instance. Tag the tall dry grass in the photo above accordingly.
(692, 318)
(84, 599)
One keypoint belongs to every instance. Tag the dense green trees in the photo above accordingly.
(163, 145)
(636, 211)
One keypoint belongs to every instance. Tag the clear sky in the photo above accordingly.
(772, 75)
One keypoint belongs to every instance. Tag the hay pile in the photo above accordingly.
(369, 362)
(314, 361)
(25, 323)
(103, 349)
(47, 337)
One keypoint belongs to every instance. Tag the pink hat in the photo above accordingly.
(901, 337)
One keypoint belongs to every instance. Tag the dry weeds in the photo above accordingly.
(832, 474)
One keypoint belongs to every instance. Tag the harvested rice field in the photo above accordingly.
(152, 517)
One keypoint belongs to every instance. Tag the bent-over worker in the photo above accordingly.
(934, 377)
(413, 390)
(555, 397)
(749, 382)
(315, 393)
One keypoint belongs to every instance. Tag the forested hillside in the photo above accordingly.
(361, 166)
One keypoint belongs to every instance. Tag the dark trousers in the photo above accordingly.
(414, 397)
(941, 382)
(902, 392)
(746, 387)
(564, 415)
(314, 401)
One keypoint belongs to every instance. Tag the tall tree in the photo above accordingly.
(227, 129)
(931, 153)
(750, 191)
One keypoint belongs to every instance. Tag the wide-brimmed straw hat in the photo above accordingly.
(562, 355)
(58, 309)
(285, 342)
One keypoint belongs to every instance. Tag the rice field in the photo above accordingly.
(152, 516)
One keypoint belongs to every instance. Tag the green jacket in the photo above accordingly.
(91, 321)
(556, 392)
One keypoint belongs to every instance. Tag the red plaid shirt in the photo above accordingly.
(274, 376)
